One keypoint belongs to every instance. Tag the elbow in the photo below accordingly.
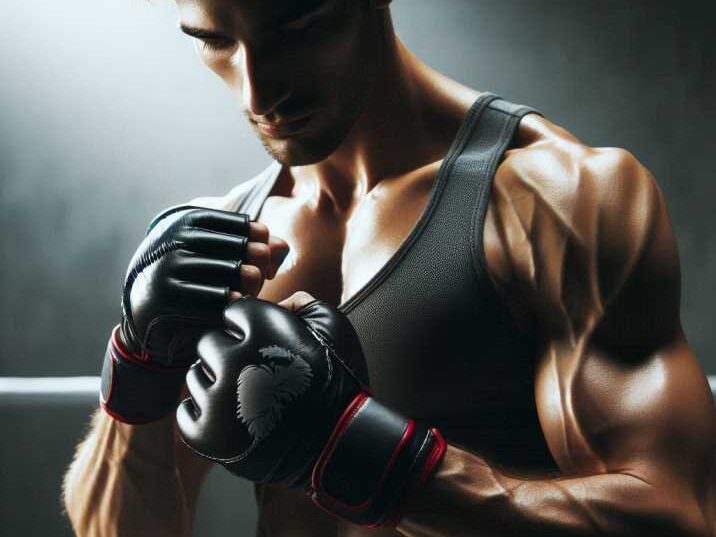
(668, 511)
(696, 518)
(703, 526)
(697, 527)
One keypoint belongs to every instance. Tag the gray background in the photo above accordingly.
(107, 116)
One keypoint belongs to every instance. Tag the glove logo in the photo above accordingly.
(264, 390)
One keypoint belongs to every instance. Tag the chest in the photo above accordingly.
(335, 253)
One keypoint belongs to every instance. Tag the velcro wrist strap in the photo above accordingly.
(372, 458)
(133, 390)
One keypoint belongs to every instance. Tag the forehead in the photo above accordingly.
(247, 14)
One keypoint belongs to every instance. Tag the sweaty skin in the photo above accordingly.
(578, 244)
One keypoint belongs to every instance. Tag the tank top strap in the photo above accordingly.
(479, 159)
(249, 196)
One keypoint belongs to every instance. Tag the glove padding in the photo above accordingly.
(282, 397)
(176, 287)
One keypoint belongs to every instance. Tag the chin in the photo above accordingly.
(318, 141)
(300, 150)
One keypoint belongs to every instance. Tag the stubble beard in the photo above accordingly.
(313, 147)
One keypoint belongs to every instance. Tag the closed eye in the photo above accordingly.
(216, 44)
(210, 39)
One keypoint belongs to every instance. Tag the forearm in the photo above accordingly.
(124, 481)
(466, 497)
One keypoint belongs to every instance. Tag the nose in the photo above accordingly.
(264, 85)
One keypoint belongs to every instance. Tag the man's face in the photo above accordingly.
(302, 69)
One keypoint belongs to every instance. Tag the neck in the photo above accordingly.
(410, 119)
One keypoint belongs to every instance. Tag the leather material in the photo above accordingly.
(372, 458)
(254, 386)
(176, 287)
(271, 400)
(370, 438)
(135, 392)
(336, 333)
(178, 281)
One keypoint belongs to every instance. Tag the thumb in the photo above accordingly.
(297, 300)
(279, 250)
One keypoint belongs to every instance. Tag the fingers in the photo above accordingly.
(278, 250)
(241, 277)
(208, 270)
(198, 384)
(259, 256)
(296, 300)
(204, 376)
(187, 416)
(205, 301)
(234, 295)
(266, 256)
(230, 223)
(251, 280)
(213, 243)
(258, 232)
(221, 221)
(212, 348)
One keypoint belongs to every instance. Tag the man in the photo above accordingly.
(511, 287)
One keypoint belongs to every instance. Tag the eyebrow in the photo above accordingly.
(303, 11)
(296, 13)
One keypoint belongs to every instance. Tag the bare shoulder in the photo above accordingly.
(570, 223)
(569, 177)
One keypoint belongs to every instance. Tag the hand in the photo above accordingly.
(178, 282)
(281, 396)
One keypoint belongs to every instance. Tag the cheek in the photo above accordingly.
(331, 67)
(225, 66)
(341, 51)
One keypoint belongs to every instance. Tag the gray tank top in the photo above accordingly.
(439, 343)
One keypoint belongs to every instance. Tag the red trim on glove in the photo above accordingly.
(343, 422)
(346, 417)
(142, 359)
(118, 346)
(117, 352)
(435, 457)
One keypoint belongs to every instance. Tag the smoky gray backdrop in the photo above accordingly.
(107, 116)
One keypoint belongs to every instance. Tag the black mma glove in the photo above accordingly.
(176, 288)
(281, 397)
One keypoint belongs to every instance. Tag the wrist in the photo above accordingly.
(134, 390)
(373, 458)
